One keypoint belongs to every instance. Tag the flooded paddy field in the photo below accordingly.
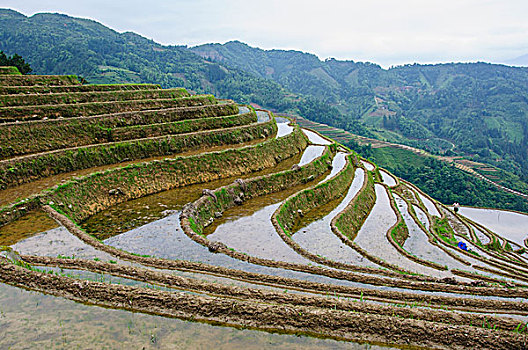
(249, 255)
(41, 321)
(509, 225)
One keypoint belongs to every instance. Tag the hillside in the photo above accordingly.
(480, 108)
(137, 215)
(59, 44)
(478, 111)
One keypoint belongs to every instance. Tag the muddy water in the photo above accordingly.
(249, 229)
(372, 236)
(283, 129)
(38, 321)
(338, 163)
(310, 153)
(318, 237)
(256, 236)
(59, 241)
(418, 244)
(387, 178)
(367, 165)
(315, 138)
(165, 239)
(100, 277)
(11, 195)
(26, 226)
(510, 225)
(431, 208)
(422, 216)
(135, 213)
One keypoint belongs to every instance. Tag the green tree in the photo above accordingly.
(15, 61)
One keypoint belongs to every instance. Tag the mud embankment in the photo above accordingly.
(25, 169)
(11, 114)
(45, 135)
(285, 318)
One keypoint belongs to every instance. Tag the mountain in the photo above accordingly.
(478, 110)
(481, 109)
(60, 44)
(519, 61)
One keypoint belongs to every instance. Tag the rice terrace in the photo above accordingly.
(190, 211)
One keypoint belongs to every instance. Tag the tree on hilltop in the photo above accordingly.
(15, 61)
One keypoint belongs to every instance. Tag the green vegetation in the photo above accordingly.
(349, 222)
(444, 182)
(58, 44)
(443, 230)
(291, 210)
(14, 61)
(40, 89)
(481, 108)
(259, 186)
(400, 233)
(93, 96)
(39, 136)
(9, 114)
(38, 166)
(9, 71)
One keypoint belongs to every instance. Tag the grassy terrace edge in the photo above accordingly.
(85, 196)
(45, 135)
(40, 89)
(26, 100)
(29, 168)
(12, 114)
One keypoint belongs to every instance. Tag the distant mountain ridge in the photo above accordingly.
(482, 108)
(519, 61)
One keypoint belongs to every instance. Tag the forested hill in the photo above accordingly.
(481, 108)
(60, 44)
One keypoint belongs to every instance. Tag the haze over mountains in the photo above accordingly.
(481, 108)
(519, 61)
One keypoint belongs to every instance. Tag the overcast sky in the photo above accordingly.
(387, 32)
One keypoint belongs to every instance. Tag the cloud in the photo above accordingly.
(383, 31)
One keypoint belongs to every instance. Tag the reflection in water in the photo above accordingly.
(338, 163)
(39, 321)
(256, 236)
(387, 178)
(283, 129)
(372, 236)
(135, 213)
(418, 243)
(318, 237)
(310, 153)
(367, 165)
(431, 208)
(315, 138)
(510, 225)
(422, 216)
(59, 241)
(26, 226)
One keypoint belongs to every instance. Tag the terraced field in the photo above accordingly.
(172, 213)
